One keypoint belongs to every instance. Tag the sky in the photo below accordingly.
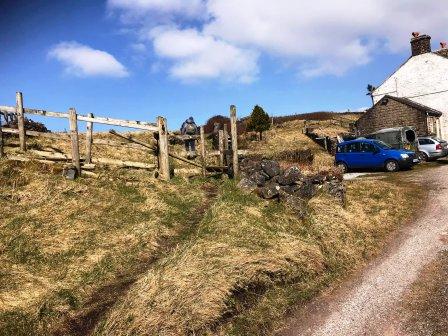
(137, 59)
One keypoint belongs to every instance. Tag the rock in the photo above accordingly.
(290, 176)
(70, 173)
(270, 191)
(259, 178)
(247, 184)
(307, 190)
(337, 189)
(318, 179)
(288, 190)
(270, 167)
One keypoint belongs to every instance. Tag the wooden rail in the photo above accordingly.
(159, 147)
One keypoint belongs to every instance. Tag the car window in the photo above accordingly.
(366, 147)
(352, 147)
(425, 142)
(382, 144)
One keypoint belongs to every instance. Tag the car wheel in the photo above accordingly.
(423, 156)
(342, 167)
(391, 166)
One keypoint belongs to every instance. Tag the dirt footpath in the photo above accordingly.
(367, 304)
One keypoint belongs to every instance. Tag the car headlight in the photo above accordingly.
(404, 156)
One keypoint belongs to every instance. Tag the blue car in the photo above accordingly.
(372, 154)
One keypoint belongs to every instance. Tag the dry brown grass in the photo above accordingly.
(251, 260)
(59, 236)
(289, 136)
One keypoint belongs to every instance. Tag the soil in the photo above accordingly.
(371, 303)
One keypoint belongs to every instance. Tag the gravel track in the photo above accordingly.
(366, 305)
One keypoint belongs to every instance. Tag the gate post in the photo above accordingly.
(164, 163)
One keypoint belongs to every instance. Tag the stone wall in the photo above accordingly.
(392, 114)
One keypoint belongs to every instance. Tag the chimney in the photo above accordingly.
(420, 44)
(442, 45)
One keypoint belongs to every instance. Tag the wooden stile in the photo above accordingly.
(74, 139)
(20, 121)
(89, 140)
(234, 135)
(164, 164)
(203, 152)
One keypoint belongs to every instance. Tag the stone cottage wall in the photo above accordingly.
(392, 114)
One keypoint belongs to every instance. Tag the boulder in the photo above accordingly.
(290, 176)
(307, 190)
(247, 184)
(259, 178)
(271, 167)
(270, 191)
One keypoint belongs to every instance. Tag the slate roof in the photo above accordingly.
(423, 108)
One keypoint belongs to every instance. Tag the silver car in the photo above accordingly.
(431, 148)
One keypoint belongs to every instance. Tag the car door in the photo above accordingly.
(369, 156)
(352, 155)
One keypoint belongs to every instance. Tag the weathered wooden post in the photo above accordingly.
(20, 120)
(89, 139)
(73, 122)
(203, 152)
(226, 137)
(164, 164)
(234, 136)
(221, 147)
(2, 153)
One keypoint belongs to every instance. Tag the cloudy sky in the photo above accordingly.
(137, 59)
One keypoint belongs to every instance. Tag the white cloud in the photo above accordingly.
(319, 37)
(140, 8)
(198, 56)
(83, 61)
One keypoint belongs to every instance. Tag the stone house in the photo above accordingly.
(392, 111)
(418, 88)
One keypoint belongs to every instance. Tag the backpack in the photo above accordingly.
(190, 129)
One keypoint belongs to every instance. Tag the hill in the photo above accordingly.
(127, 254)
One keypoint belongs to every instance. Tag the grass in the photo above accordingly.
(63, 241)
(250, 262)
(125, 254)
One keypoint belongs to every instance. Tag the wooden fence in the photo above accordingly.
(158, 146)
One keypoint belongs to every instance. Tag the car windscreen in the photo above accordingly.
(382, 145)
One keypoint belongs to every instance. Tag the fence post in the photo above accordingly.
(221, 147)
(203, 152)
(164, 164)
(89, 139)
(20, 120)
(226, 137)
(2, 153)
(73, 122)
(234, 135)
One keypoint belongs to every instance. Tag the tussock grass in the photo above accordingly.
(251, 260)
(289, 136)
(62, 241)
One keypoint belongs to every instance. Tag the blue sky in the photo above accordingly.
(137, 59)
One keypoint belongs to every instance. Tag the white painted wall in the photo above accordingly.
(423, 79)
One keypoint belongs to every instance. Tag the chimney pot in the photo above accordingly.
(443, 45)
(420, 44)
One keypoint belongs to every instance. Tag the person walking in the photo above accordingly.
(189, 127)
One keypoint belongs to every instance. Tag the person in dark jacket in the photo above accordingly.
(189, 127)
